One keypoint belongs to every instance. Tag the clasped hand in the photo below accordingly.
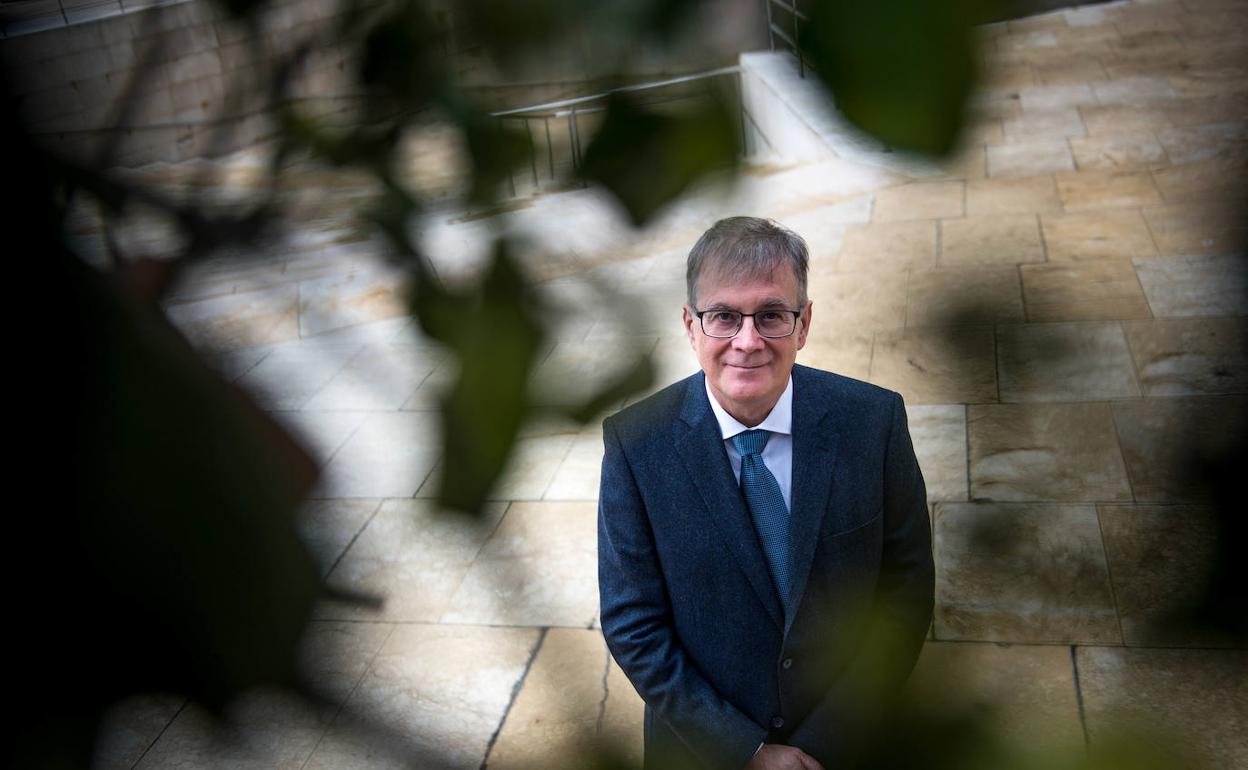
(774, 756)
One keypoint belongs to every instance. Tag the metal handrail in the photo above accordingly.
(570, 109)
(636, 87)
(794, 41)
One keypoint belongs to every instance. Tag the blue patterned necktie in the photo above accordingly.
(766, 502)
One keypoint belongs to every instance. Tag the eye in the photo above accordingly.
(724, 316)
(770, 316)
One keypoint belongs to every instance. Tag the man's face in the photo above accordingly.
(748, 372)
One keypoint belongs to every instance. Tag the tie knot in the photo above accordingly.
(751, 442)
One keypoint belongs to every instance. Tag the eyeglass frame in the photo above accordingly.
(741, 323)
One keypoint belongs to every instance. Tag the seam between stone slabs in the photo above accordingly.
(1122, 455)
(356, 536)
(515, 692)
(471, 563)
(1135, 271)
(1109, 574)
(329, 725)
(606, 693)
(1044, 246)
(1135, 365)
(1074, 667)
(996, 360)
(163, 730)
(558, 467)
(1018, 273)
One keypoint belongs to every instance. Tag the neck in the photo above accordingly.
(749, 415)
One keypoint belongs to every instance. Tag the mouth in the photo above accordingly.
(746, 367)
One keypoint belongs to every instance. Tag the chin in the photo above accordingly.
(746, 392)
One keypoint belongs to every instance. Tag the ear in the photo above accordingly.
(805, 321)
(689, 320)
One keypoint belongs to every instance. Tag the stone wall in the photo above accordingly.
(69, 80)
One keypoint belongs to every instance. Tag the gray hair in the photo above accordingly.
(746, 248)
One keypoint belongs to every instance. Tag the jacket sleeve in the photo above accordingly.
(854, 703)
(637, 624)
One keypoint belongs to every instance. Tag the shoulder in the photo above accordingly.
(857, 408)
(840, 390)
(654, 413)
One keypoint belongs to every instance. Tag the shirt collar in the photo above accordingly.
(778, 420)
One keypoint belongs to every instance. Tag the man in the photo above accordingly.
(765, 564)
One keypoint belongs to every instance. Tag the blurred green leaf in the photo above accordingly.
(404, 57)
(507, 28)
(242, 8)
(496, 333)
(189, 495)
(636, 379)
(901, 70)
(647, 158)
(602, 30)
(495, 147)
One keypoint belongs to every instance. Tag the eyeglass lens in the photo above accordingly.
(726, 323)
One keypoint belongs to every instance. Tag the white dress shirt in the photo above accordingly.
(777, 453)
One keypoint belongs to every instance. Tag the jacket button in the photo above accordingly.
(787, 663)
(777, 722)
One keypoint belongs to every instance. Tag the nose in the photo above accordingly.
(748, 338)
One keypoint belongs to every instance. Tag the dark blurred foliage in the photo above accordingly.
(648, 158)
(901, 70)
(164, 557)
(173, 565)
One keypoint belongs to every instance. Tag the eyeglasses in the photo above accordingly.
(768, 323)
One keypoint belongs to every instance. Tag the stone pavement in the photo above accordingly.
(1061, 306)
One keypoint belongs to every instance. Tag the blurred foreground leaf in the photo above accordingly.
(187, 503)
(496, 334)
(647, 158)
(901, 70)
(165, 556)
(495, 149)
(595, 29)
(403, 57)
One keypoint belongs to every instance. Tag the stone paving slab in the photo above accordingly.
(1025, 692)
(937, 366)
(539, 568)
(1061, 304)
(1064, 362)
(411, 555)
(443, 689)
(1045, 452)
(963, 296)
(1013, 572)
(1167, 702)
(576, 700)
(1160, 557)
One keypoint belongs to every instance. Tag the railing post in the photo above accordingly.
(572, 108)
(576, 145)
(550, 150)
(745, 150)
(511, 174)
(528, 130)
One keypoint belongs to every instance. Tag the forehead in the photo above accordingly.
(727, 288)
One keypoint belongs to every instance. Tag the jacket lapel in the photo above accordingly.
(701, 448)
(815, 444)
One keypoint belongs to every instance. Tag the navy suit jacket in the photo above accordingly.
(688, 608)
